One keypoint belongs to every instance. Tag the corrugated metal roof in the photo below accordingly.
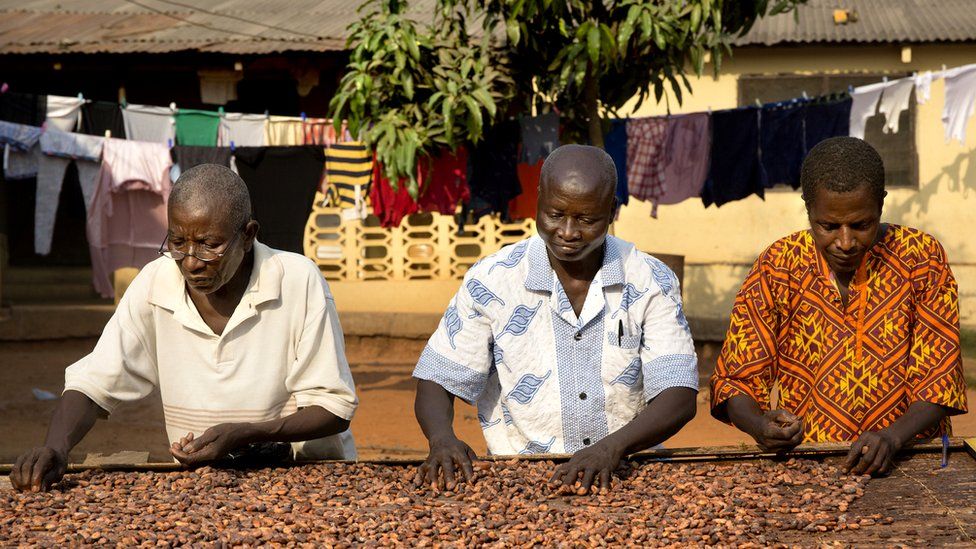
(266, 26)
(157, 26)
(881, 21)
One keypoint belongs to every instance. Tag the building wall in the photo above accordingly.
(720, 244)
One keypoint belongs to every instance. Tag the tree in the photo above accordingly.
(410, 90)
(585, 57)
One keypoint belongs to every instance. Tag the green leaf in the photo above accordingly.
(512, 30)
(485, 99)
(593, 43)
(695, 17)
(623, 36)
(474, 116)
(408, 86)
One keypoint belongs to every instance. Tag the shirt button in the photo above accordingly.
(578, 336)
(582, 396)
(586, 442)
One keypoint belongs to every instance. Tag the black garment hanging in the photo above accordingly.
(734, 172)
(99, 116)
(282, 182)
(494, 174)
(781, 142)
(23, 108)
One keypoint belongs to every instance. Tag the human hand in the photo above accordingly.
(595, 464)
(873, 453)
(449, 460)
(38, 469)
(778, 431)
(215, 443)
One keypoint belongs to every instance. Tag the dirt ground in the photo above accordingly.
(384, 425)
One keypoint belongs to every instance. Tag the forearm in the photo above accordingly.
(434, 407)
(309, 423)
(664, 416)
(73, 418)
(744, 412)
(919, 417)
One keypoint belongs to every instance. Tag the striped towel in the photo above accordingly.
(348, 171)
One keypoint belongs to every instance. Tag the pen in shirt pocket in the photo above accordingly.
(620, 332)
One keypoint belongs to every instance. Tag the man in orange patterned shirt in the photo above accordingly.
(855, 322)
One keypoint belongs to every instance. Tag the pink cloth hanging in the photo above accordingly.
(127, 221)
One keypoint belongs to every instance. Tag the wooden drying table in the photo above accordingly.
(930, 505)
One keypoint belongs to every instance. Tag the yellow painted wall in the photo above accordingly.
(720, 244)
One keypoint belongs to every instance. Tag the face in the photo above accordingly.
(844, 226)
(192, 229)
(574, 214)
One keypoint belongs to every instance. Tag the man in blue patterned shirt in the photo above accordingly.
(571, 341)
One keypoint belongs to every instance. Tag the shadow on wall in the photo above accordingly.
(957, 178)
(708, 296)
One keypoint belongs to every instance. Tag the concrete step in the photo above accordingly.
(27, 285)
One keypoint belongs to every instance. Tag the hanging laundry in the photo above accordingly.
(540, 136)
(781, 146)
(23, 108)
(826, 119)
(185, 157)
(525, 205)
(97, 117)
(686, 154)
(645, 158)
(197, 128)
(64, 113)
(734, 172)
(149, 124)
(960, 99)
(863, 106)
(894, 101)
(20, 150)
(348, 171)
(615, 143)
(61, 149)
(282, 131)
(21, 137)
(282, 182)
(243, 130)
(389, 205)
(447, 183)
(320, 131)
(923, 86)
(127, 219)
(494, 176)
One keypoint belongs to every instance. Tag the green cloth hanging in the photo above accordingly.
(195, 127)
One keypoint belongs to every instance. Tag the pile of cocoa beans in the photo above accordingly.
(510, 504)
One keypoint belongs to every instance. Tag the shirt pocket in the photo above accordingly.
(625, 343)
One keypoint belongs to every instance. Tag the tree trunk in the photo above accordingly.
(591, 98)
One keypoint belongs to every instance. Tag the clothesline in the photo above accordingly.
(718, 156)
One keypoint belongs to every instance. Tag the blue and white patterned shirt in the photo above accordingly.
(545, 380)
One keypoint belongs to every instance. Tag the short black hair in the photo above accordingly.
(841, 165)
(575, 153)
(213, 184)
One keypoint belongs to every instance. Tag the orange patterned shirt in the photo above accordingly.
(846, 369)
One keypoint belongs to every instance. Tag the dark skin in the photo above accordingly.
(844, 226)
(575, 210)
(216, 289)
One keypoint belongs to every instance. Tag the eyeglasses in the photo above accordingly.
(203, 252)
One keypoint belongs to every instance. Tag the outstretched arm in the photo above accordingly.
(40, 468)
(216, 442)
(449, 457)
(874, 452)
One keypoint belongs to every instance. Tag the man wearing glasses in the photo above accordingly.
(242, 340)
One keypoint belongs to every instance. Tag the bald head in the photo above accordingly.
(580, 166)
(215, 188)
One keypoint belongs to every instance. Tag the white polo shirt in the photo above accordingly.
(282, 349)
